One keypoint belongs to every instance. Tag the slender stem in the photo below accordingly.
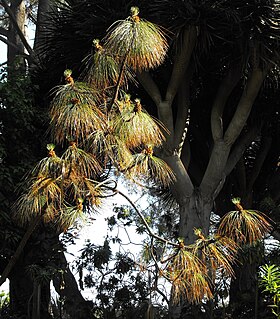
(151, 233)
(117, 87)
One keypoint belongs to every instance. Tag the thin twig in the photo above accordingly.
(151, 233)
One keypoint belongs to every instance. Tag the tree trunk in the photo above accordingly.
(195, 213)
(243, 290)
(42, 16)
(14, 53)
(66, 286)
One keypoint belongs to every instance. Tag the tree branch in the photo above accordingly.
(19, 32)
(183, 186)
(4, 40)
(225, 89)
(244, 106)
(181, 62)
(181, 125)
(3, 31)
(43, 9)
(149, 230)
(214, 175)
(150, 86)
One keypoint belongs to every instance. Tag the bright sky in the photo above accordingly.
(3, 52)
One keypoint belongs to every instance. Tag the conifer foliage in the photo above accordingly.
(98, 126)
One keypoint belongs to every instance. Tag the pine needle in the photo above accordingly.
(244, 226)
(149, 167)
(142, 43)
(74, 113)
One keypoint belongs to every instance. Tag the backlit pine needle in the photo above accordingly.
(101, 68)
(244, 226)
(141, 43)
(149, 167)
(189, 277)
(69, 215)
(83, 163)
(219, 252)
(135, 126)
(74, 111)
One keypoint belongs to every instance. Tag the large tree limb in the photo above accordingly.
(43, 9)
(225, 89)
(180, 131)
(181, 62)
(244, 106)
(150, 86)
(17, 28)
(165, 114)
(214, 175)
(183, 186)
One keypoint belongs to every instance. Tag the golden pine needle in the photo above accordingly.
(135, 126)
(142, 43)
(69, 215)
(219, 253)
(42, 192)
(189, 277)
(244, 226)
(102, 70)
(149, 167)
(76, 159)
(74, 112)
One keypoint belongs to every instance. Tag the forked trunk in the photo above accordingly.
(194, 213)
